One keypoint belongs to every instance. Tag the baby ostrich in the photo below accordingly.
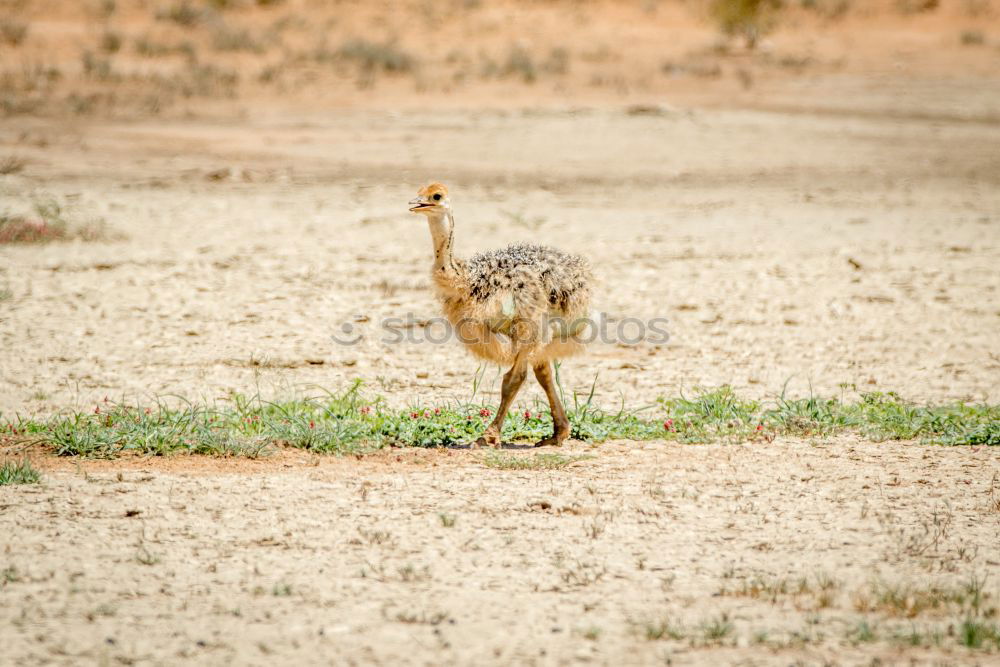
(521, 306)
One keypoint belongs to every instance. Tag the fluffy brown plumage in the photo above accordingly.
(521, 305)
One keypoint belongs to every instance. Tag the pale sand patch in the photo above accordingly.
(349, 560)
(782, 248)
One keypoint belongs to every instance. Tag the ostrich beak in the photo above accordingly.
(418, 203)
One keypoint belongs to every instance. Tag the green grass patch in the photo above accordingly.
(353, 421)
(18, 473)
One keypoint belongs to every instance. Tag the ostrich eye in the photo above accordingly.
(437, 196)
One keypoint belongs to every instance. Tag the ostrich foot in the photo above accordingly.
(556, 440)
(490, 438)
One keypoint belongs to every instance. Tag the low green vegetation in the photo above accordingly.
(353, 421)
(22, 472)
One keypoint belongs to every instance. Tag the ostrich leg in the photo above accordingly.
(512, 381)
(560, 425)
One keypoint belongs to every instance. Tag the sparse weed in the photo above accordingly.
(977, 634)
(421, 618)
(993, 502)
(662, 629)
(582, 574)
(716, 629)
(18, 473)
(505, 461)
(910, 600)
(410, 574)
(862, 632)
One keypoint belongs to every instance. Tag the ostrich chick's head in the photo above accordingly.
(431, 199)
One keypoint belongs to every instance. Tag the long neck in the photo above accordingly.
(442, 233)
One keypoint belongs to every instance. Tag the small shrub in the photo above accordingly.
(95, 67)
(747, 18)
(972, 38)
(229, 39)
(916, 6)
(372, 57)
(183, 13)
(978, 634)
(520, 63)
(13, 32)
(111, 42)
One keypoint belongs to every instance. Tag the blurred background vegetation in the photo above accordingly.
(138, 57)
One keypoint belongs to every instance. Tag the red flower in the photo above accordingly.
(414, 415)
(437, 411)
(527, 414)
(312, 424)
(669, 425)
(365, 409)
(485, 412)
(760, 427)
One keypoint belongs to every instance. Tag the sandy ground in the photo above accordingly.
(782, 247)
(810, 232)
(320, 561)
